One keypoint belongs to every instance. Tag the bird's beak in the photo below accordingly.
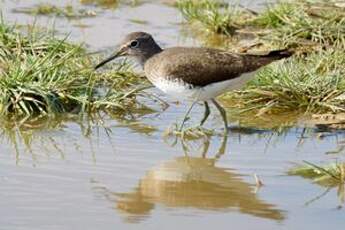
(119, 53)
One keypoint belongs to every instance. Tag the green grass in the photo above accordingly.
(274, 15)
(41, 75)
(310, 81)
(299, 22)
(286, 23)
(213, 16)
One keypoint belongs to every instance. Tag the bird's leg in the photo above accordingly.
(222, 148)
(206, 114)
(222, 113)
(186, 116)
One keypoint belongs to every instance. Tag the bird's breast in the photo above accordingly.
(174, 87)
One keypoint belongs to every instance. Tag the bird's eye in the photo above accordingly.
(134, 44)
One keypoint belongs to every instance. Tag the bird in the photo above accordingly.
(198, 74)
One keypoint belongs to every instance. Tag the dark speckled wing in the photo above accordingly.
(203, 66)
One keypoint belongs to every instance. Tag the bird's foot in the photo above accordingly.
(226, 130)
(195, 136)
(194, 132)
(188, 137)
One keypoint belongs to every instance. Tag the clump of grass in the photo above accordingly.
(330, 175)
(214, 16)
(139, 21)
(286, 23)
(111, 3)
(272, 16)
(297, 22)
(313, 83)
(102, 3)
(41, 75)
(49, 9)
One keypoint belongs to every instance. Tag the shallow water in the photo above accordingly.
(119, 174)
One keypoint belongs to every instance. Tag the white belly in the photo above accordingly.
(184, 91)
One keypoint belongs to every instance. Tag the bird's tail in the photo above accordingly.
(279, 54)
(256, 61)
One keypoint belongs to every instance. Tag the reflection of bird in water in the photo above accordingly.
(192, 182)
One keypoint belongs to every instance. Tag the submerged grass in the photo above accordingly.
(330, 175)
(72, 11)
(41, 75)
(67, 11)
(111, 3)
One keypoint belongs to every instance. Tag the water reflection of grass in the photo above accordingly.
(40, 135)
(329, 176)
(271, 128)
(24, 138)
(134, 120)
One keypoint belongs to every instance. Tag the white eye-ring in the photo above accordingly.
(134, 44)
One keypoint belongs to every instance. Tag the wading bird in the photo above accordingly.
(195, 73)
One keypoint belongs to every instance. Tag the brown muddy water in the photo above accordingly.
(118, 174)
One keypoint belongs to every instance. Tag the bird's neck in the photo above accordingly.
(148, 54)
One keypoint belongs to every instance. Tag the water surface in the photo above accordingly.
(65, 174)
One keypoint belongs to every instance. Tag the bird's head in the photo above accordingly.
(139, 45)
